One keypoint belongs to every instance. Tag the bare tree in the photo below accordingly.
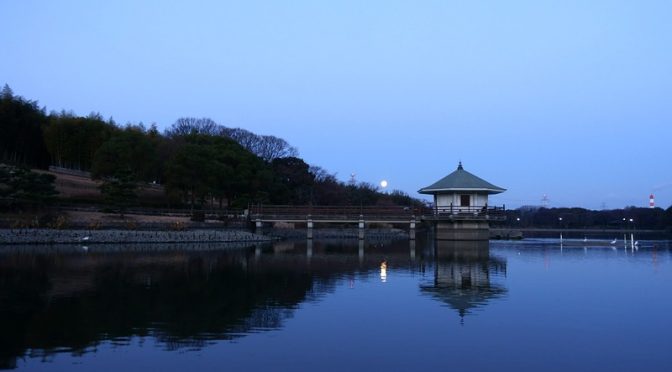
(265, 147)
(271, 147)
(321, 174)
(244, 137)
(187, 126)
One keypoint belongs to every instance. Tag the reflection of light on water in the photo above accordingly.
(383, 271)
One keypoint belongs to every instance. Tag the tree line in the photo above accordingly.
(579, 218)
(199, 161)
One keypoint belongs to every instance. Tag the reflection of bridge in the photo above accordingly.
(363, 215)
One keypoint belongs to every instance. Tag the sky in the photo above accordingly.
(569, 99)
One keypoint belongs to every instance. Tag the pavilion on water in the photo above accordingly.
(461, 208)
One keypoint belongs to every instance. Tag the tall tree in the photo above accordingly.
(129, 149)
(73, 141)
(21, 124)
(215, 167)
(294, 181)
(119, 190)
(189, 171)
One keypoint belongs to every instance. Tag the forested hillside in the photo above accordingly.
(197, 160)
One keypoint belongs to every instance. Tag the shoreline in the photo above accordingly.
(114, 236)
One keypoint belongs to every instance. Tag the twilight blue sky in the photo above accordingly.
(566, 98)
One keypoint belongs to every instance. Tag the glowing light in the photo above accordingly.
(383, 271)
(383, 183)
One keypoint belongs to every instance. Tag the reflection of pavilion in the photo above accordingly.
(462, 277)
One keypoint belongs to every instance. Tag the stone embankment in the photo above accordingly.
(49, 236)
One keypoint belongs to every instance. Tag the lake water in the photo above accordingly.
(339, 305)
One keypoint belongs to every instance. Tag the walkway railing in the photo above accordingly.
(378, 213)
(333, 213)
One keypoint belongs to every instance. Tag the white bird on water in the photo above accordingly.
(614, 241)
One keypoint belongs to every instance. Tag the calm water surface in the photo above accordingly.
(334, 305)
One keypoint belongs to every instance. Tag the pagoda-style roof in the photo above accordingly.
(461, 180)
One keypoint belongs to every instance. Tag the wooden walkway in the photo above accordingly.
(333, 214)
(371, 214)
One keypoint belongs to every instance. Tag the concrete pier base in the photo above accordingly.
(462, 230)
(309, 229)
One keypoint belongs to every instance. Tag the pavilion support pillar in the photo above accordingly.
(462, 230)
(361, 225)
(411, 231)
(309, 228)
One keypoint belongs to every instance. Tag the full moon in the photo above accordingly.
(383, 183)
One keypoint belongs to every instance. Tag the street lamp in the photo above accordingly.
(560, 223)
(632, 234)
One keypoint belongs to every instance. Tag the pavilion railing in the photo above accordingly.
(471, 212)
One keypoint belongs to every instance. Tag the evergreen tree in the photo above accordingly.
(120, 190)
(130, 148)
(20, 185)
(21, 123)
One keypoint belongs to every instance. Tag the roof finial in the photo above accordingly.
(459, 166)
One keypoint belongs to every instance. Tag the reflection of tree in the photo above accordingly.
(73, 302)
(58, 299)
(463, 275)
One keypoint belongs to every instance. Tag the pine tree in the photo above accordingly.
(119, 190)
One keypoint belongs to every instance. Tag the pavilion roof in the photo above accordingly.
(461, 180)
